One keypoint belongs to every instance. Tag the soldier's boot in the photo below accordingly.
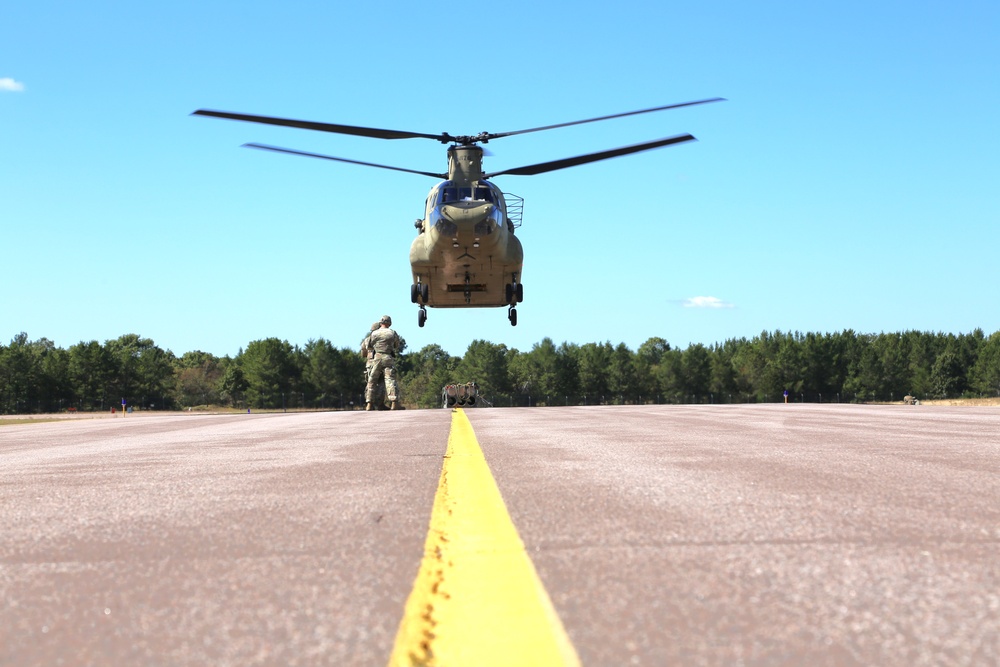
(393, 405)
(368, 405)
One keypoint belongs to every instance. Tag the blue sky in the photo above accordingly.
(850, 181)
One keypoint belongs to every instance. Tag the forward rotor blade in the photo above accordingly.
(324, 127)
(276, 149)
(594, 120)
(591, 157)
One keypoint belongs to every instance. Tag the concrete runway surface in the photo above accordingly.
(664, 535)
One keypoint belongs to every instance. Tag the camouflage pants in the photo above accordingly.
(384, 366)
(378, 396)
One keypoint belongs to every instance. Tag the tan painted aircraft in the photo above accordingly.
(466, 254)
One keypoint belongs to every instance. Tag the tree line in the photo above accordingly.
(39, 377)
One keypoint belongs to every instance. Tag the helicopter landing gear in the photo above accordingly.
(421, 316)
(514, 292)
(419, 292)
(512, 316)
(468, 288)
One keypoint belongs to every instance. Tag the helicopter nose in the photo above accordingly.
(468, 212)
(471, 206)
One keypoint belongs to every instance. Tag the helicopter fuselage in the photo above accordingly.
(466, 253)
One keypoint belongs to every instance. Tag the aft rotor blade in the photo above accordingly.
(277, 149)
(591, 157)
(324, 127)
(617, 115)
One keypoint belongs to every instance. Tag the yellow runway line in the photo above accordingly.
(477, 599)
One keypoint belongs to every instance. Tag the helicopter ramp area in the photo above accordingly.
(615, 535)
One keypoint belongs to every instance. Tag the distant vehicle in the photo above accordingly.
(462, 396)
(466, 254)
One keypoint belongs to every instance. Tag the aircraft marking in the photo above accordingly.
(477, 599)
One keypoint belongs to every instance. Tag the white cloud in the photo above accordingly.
(10, 85)
(705, 302)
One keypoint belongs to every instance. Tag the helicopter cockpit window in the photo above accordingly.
(453, 193)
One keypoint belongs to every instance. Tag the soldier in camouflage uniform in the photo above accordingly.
(378, 397)
(383, 344)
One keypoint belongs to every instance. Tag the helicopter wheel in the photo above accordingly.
(512, 316)
(509, 293)
(424, 292)
(414, 292)
(520, 292)
(421, 316)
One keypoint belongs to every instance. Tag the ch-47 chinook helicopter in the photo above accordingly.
(466, 254)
